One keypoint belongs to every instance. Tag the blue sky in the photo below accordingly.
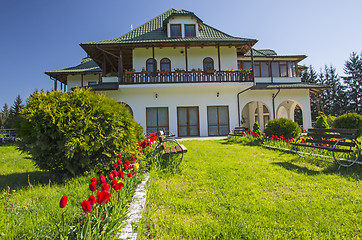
(41, 35)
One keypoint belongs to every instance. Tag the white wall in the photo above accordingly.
(201, 95)
(278, 79)
(195, 57)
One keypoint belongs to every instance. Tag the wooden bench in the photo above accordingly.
(238, 131)
(169, 145)
(341, 141)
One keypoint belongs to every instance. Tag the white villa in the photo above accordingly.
(178, 73)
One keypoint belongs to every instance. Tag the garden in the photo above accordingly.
(75, 170)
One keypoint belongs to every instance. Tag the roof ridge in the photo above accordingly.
(218, 30)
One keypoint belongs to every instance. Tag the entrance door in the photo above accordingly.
(188, 121)
(218, 120)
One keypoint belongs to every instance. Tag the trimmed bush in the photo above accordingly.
(321, 122)
(350, 121)
(282, 126)
(75, 132)
(256, 128)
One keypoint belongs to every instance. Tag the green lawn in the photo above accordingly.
(235, 191)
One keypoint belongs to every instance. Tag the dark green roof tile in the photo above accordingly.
(87, 65)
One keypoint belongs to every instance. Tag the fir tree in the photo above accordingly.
(4, 116)
(353, 82)
(15, 111)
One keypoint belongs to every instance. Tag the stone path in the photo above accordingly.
(135, 210)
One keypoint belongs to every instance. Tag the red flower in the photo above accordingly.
(115, 166)
(93, 186)
(125, 166)
(94, 179)
(119, 156)
(63, 201)
(129, 175)
(111, 176)
(127, 162)
(120, 174)
(87, 206)
(133, 158)
(134, 173)
(119, 161)
(105, 186)
(117, 185)
(102, 179)
(92, 199)
(103, 197)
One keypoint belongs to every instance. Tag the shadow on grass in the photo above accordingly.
(16, 181)
(353, 172)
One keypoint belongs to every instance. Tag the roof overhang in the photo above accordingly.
(313, 88)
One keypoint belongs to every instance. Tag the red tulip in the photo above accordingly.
(134, 173)
(94, 179)
(63, 201)
(127, 162)
(103, 197)
(115, 166)
(87, 206)
(117, 185)
(120, 174)
(129, 175)
(119, 161)
(111, 176)
(133, 158)
(92, 199)
(102, 179)
(93, 186)
(119, 156)
(105, 186)
(125, 166)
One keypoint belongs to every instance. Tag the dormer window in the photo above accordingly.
(176, 30)
(190, 30)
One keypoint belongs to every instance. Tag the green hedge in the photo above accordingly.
(75, 132)
(282, 126)
(322, 122)
(350, 121)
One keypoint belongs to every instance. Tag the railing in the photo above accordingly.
(10, 132)
(186, 77)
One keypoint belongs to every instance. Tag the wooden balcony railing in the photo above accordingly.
(186, 77)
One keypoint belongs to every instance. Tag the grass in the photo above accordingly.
(236, 191)
(29, 198)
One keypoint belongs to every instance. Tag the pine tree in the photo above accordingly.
(4, 117)
(15, 111)
(353, 82)
(334, 97)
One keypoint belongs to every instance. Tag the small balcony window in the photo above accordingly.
(165, 65)
(151, 65)
(175, 30)
(190, 30)
(208, 64)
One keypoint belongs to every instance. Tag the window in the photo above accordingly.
(283, 66)
(190, 30)
(151, 65)
(218, 120)
(175, 30)
(165, 65)
(208, 64)
(156, 119)
(275, 69)
(292, 69)
(264, 68)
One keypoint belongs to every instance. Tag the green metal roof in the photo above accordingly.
(261, 52)
(153, 32)
(86, 66)
(314, 88)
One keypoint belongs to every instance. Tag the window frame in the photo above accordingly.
(212, 62)
(175, 25)
(154, 63)
(158, 127)
(165, 63)
(218, 125)
(188, 25)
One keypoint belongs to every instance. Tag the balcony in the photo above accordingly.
(186, 77)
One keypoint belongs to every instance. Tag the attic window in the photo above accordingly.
(175, 30)
(190, 30)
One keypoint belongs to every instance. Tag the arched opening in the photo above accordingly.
(208, 64)
(253, 112)
(292, 110)
(165, 65)
(127, 107)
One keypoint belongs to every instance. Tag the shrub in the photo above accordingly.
(330, 120)
(75, 132)
(349, 120)
(321, 122)
(256, 128)
(282, 126)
